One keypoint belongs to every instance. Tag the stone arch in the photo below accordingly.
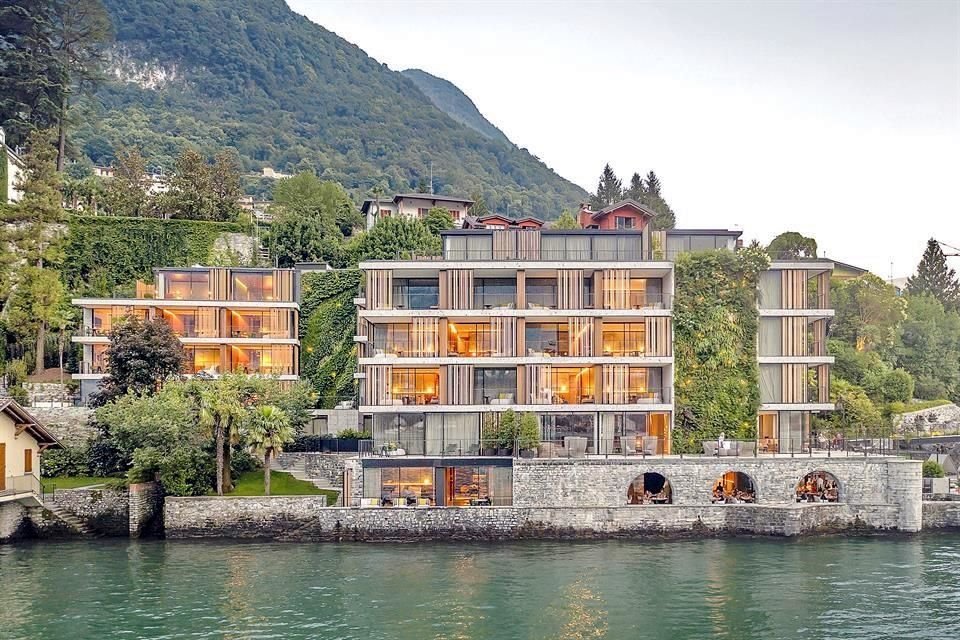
(734, 486)
(650, 487)
(819, 485)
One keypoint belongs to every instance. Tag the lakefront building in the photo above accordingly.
(414, 206)
(574, 327)
(228, 319)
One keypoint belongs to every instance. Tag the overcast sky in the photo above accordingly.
(839, 120)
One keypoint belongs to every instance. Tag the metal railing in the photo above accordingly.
(26, 484)
(635, 254)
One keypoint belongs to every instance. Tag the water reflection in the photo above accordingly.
(744, 589)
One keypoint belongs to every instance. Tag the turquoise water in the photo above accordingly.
(815, 588)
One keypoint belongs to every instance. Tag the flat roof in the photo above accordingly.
(550, 232)
(704, 232)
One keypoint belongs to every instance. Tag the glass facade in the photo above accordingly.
(494, 293)
(547, 338)
(416, 293)
(541, 293)
(253, 286)
(469, 340)
(193, 323)
(494, 386)
(555, 427)
(273, 360)
(415, 386)
(425, 486)
(392, 339)
(186, 285)
(624, 339)
(271, 323)
(632, 433)
(205, 359)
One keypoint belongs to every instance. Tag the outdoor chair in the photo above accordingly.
(451, 450)
(650, 445)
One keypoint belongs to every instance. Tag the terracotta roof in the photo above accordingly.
(34, 427)
(633, 204)
(432, 196)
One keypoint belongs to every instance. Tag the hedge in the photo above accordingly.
(107, 252)
(715, 332)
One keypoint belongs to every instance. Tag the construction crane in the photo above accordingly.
(947, 246)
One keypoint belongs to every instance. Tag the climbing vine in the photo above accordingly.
(715, 326)
(328, 321)
(105, 253)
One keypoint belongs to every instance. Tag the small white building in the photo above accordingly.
(13, 172)
(415, 205)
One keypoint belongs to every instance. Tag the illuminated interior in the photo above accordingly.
(635, 433)
(469, 340)
(271, 323)
(570, 385)
(415, 386)
(253, 286)
(98, 360)
(624, 339)
(275, 360)
(406, 486)
(186, 285)
(193, 323)
(205, 359)
(547, 338)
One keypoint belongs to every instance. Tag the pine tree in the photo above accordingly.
(609, 189)
(635, 191)
(32, 79)
(41, 204)
(652, 184)
(935, 277)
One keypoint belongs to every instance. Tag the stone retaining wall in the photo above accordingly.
(145, 510)
(941, 515)
(71, 425)
(105, 511)
(13, 522)
(304, 518)
(604, 482)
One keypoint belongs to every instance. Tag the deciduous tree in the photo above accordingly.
(565, 221)
(142, 356)
(438, 219)
(868, 312)
(791, 244)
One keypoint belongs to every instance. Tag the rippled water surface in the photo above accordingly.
(815, 588)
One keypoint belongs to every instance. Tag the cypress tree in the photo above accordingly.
(635, 190)
(935, 277)
(652, 184)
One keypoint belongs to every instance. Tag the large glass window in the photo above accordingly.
(392, 339)
(400, 486)
(624, 339)
(494, 293)
(494, 386)
(416, 293)
(275, 360)
(202, 359)
(634, 433)
(541, 293)
(274, 323)
(769, 295)
(468, 340)
(611, 247)
(468, 247)
(453, 434)
(769, 339)
(770, 377)
(555, 427)
(478, 485)
(572, 385)
(193, 323)
(645, 385)
(253, 286)
(399, 431)
(415, 386)
(99, 361)
(186, 285)
(547, 338)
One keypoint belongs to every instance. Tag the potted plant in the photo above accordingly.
(488, 442)
(528, 435)
(506, 432)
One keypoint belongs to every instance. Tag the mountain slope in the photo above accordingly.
(447, 97)
(287, 93)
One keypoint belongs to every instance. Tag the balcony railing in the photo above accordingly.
(544, 255)
(27, 484)
(646, 300)
(93, 367)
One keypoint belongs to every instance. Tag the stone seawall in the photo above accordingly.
(304, 518)
(941, 515)
(105, 511)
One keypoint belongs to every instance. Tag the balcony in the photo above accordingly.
(20, 487)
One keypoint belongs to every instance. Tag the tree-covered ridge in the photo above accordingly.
(455, 103)
(287, 93)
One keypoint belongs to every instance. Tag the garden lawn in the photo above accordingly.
(250, 483)
(74, 482)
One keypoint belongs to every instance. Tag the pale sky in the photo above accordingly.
(839, 120)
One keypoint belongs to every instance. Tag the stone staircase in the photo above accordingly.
(72, 521)
(298, 470)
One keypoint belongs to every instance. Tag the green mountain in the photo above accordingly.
(289, 94)
(447, 97)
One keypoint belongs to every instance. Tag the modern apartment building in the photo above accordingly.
(573, 326)
(228, 319)
(414, 205)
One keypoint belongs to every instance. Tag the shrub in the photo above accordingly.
(933, 469)
(69, 461)
(528, 433)
(353, 433)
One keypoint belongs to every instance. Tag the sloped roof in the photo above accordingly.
(34, 427)
(629, 202)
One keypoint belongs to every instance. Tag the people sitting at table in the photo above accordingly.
(817, 488)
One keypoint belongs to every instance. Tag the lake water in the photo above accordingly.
(747, 588)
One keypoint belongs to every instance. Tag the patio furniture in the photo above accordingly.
(451, 450)
(546, 450)
(628, 446)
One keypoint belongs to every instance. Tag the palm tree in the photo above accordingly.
(222, 411)
(268, 430)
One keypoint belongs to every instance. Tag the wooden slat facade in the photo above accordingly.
(376, 385)
(580, 332)
(615, 380)
(283, 285)
(220, 288)
(459, 384)
(659, 338)
(793, 289)
(616, 289)
(823, 383)
(823, 290)
(793, 336)
(818, 338)
(537, 383)
(793, 383)
(569, 289)
(503, 336)
(456, 289)
(380, 289)
(425, 337)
